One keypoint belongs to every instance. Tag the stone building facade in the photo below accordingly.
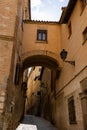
(11, 15)
(69, 85)
(33, 90)
(21, 46)
(39, 92)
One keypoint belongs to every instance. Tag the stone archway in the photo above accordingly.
(45, 59)
(40, 57)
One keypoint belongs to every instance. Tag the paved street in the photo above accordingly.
(35, 123)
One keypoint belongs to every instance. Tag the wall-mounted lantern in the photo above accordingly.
(63, 55)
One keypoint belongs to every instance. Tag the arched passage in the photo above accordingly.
(41, 58)
(46, 60)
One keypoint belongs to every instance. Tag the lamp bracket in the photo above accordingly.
(70, 62)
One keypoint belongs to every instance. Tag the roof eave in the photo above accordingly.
(67, 12)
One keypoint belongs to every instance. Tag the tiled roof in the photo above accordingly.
(38, 21)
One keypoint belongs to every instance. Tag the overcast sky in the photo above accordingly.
(47, 10)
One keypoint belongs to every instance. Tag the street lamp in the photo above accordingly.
(63, 55)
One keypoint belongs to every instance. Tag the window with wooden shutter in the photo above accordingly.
(17, 74)
(71, 109)
(69, 29)
(83, 3)
(85, 34)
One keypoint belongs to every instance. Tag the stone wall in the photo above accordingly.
(7, 24)
(10, 42)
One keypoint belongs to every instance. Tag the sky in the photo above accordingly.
(47, 10)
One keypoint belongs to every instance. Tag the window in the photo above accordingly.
(17, 74)
(69, 29)
(39, 93)
(83, 2)
(42, 35)
(85, 34)
(71, 109)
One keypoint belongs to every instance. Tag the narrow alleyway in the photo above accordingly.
(31, 122)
